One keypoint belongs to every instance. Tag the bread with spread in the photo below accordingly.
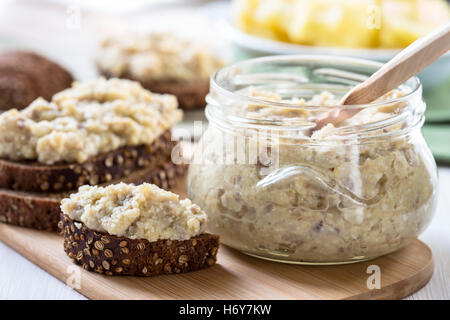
(161, 62)
(141, 230)
(97, 132)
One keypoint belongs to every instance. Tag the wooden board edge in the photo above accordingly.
(405, 287)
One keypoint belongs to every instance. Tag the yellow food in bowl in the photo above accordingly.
(341, 23)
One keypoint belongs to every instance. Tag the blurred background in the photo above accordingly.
(69, 32)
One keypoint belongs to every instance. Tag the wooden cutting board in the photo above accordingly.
(236, 276)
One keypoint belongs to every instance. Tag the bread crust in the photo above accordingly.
(111, 255)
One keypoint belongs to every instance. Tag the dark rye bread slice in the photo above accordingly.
(190, 95)
(112, 255)
(25, 76)
(32, 176)
(17, 90)
(41, 210)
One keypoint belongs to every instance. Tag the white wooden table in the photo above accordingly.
(22, 23)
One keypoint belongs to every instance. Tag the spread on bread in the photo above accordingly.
(91, 118)
(137, 212)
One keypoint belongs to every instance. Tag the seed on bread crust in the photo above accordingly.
(144, 258)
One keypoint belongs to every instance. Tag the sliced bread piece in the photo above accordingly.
(41, 210)
(25, 76)
(97, 132)
(190, 95)
(162, 62)
(112, 255)
(141, 230)
(32, 176)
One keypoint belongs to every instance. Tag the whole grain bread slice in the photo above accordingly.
(111, 255)
(189, 95)
(32, 176)
(41, 210)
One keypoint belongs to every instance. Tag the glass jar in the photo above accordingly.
(275, 188)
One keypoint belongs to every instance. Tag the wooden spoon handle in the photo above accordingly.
(403, 66)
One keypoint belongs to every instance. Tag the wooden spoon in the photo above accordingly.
(407, 63)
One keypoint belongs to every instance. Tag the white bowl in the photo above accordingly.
(256, 46)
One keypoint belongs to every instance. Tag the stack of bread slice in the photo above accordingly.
(99, 132)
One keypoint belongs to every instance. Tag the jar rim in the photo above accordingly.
(214, 83)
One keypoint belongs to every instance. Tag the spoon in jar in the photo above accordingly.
(407, 63)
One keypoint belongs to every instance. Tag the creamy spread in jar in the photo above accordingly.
(136, 212)
(91, 118)
(157, 57)
(342, 194)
